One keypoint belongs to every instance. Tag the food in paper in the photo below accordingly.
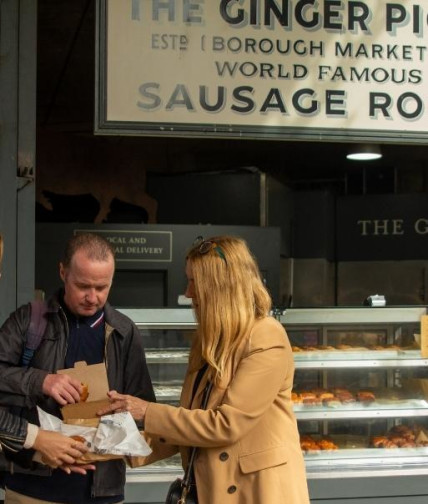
(116, 434)
(85, 392)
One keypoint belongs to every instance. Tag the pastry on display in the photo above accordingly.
(309, 398)
(344, 346)
(344, 395)
(327, 444)
(325, 397)
(296, 398)
(365, 396)
(404, 431)
(309, 444)
(401, 436)
(332, 402)
(382, 442)
(323, 394)
(333, 397)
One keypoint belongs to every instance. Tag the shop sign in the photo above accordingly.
(382, 227)
(305, 69)
(137, 246)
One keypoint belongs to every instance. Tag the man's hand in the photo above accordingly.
(63, 388)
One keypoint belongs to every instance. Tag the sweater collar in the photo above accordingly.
(92, 321)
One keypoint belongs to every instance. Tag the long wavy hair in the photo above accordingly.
(230, 297)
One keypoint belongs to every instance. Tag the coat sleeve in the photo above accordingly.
(160, 451)
(265, 368)
(19, 386)
(13, 431)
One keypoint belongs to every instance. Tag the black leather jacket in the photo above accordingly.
(21, 387)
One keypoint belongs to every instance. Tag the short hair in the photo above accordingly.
(95, 246)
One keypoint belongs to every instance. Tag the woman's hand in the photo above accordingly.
(62, 451)
(78, 468)
(121, 402)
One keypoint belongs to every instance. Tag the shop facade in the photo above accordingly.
(331, 250)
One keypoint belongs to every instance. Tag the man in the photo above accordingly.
(54, 449)
(82, 326)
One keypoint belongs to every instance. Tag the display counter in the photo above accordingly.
(359, 397)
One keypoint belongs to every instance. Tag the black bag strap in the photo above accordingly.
(198, 379)
(188, 475)
(35, 331)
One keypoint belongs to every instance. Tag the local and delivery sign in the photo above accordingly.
(317, 69)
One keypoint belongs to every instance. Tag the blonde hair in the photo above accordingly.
(230, 297)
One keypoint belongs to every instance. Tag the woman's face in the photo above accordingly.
(190, 290)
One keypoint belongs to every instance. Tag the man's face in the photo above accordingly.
(87, 283)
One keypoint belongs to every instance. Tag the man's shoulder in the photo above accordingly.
(118, 320)
(23, 312)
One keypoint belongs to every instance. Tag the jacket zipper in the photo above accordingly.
(67, 330)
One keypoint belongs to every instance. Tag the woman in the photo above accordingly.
(247, 438)
(52, 448)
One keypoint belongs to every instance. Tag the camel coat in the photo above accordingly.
(249, 450)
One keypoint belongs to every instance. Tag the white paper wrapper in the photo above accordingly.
(118, 435)
(115, 435)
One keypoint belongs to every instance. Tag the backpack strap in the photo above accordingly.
(35, 331)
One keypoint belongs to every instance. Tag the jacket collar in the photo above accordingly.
(112, 317)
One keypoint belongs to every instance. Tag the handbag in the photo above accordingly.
(179, 494)
(183, 490)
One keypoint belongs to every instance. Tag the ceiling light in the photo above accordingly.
(364, 152)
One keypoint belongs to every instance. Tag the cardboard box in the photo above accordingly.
(95, 376)
(85, 413)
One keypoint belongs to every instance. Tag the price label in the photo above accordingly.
(424, 336)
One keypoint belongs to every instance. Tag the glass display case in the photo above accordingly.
(359, 390)
(360, 393)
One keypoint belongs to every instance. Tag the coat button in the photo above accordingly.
(162, 440)
(223, 456)
(231, 489)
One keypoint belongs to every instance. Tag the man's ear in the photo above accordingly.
(62, 271)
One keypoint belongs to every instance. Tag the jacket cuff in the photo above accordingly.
(36, 384)
(32, 431)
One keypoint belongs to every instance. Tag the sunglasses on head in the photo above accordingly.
(205, 246)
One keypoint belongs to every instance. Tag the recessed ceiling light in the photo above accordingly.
(364, 152)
